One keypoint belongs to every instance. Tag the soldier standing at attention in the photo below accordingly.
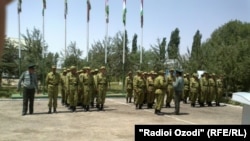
(73, 88)
(88, 84)
(204, 89)
(62, 83)
(140, 84)
(178, 87)
(102, 87)
(52, 80)
(194, 89)
(150, 90)
(211, 94)
(220, 86)
(170, 90)
(129, 87)
(94, 96)
(186, 88)
(28, 79)
(160, 90)
(67, 87)
(134, 86)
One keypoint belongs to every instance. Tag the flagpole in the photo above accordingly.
(65, 36)
(19, 44)
(106, 43)
(43, 52)
(87, 41)
(141, 47)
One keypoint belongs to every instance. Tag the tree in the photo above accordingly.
(173, 45)
(134, 43)
(196, 51)
(160, 53)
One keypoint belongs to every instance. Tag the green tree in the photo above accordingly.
(160, 53)
(173, 45)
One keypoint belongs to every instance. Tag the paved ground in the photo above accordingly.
(116, 123)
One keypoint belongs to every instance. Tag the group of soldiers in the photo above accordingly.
(86, 88)
(145, 88)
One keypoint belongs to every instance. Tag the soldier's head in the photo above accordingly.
(31, 68)
(130, 73)
(102, 69)
(161, 72)
(73, 69)
(96, 71)
(53, 68)
(171, 71)
(88, 69)
(178, 72)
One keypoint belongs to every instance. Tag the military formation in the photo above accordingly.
(156, 90)
(85, 88)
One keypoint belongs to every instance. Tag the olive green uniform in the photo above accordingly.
(52, 81)
(160, 90)
(150, 91)
(140, 85)
(73, 89)
(194, 89)
(186, 89)
(170, 89)
(211, 91)
(62, 87)
(129, 87)
(220, 91)
(102, 88)
(88, 82)
(202, 98)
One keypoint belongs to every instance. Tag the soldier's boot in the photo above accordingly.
(87, 108)
(130, 100)
(101, 107)
(168, 105)
(92, 104)
(159, 112)
(217, 103)
(127, 100)
(49, 112)
(155, 111)
(192, 105)
(54, 110)
(148, 105)
(140, 106)
(136, 106)
(84, 106)
(73, 108)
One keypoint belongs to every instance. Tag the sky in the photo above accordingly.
(161, 17)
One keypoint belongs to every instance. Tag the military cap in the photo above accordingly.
(87, 68)
(151, 72)
(31, 66)
(187, 74)
(161, 72)
(96, 70)
(171, 69)
(184, 75)
(68, 69)
(130, 72)
(102, 67)
(73, 67)
(213, 74)
(53, 67)
(64, 71)
(195, 74)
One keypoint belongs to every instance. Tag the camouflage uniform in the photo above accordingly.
(62, 83)
(220, 86)
(186, 88)
(88, 84)
(194, 89)
(140, 84)
(211, 91)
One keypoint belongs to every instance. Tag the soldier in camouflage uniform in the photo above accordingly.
(186, 88)
(73, 81)
(67, 87)
(160, 86)
(88, 86)
(204, 89)
(140, 85)
(194, 88)
(220, 90)
(94, 96)
(129, 87)
(52, 80)
(150, 90)
(102, 87)
(62, 83)
(170, 88)
(211, 90)
(134, 86)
